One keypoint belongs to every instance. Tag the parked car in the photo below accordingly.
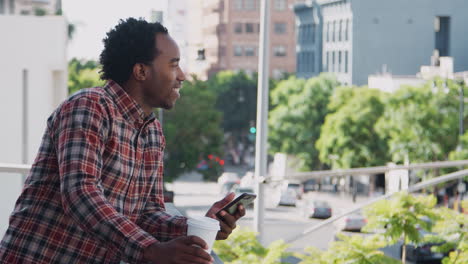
(288, 197)
(296, 186)
(422, 253)
(317, 209)
(352, 222)
(310, 185)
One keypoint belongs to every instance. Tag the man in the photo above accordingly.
(94, 193)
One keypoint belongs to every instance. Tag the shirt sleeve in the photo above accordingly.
(155, 220)
(79, 136)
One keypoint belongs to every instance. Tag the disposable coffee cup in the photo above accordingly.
(204, 227)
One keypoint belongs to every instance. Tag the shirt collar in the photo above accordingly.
(129, 108)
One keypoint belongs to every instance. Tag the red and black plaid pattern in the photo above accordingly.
(94, 193)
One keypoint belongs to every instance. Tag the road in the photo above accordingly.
(194, 198)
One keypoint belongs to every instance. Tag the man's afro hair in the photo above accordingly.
(131, 41)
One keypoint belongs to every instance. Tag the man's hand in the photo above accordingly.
(227, 221)
(179, 251)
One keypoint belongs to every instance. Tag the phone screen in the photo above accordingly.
(245, 199)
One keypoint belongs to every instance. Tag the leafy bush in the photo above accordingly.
(242, 247)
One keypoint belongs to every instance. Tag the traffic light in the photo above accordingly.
(253, 130)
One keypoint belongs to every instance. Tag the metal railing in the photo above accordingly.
(414, 188)
(15, 168)
(375, 170)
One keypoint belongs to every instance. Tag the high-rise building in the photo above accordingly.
(229, 36)
(361, 37)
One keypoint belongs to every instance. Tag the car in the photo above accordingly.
(422, 252)
(296, 186)
(351, 222)
(288, 197)
(310, 185)
(317, 209)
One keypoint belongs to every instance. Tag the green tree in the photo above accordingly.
(350, 249)
(452, 231)
(420, 123)
(242, 247)
(193, 132)
(400, 217)
(83, 74)
(237, 100)
(298, 111)
(348, 138)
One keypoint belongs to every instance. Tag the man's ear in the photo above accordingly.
(140, 72)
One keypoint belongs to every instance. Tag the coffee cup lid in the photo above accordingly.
(204, 222)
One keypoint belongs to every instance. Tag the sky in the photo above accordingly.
(93, 18)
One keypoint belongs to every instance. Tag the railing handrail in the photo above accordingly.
(413, 188)
(374, 170)
(15, 168)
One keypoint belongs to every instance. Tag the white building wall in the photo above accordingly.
(34, 49)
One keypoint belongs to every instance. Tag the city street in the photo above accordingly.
(194, 198)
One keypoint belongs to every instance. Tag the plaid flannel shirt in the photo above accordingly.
(94, 193)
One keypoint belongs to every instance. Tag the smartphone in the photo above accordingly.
(244, 199)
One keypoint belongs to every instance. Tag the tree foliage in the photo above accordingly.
(452, 231)
(192, 130)
(350, 249)
(237, 99)
(298, 111)
(401, 217)
(348, 138)
(83, 74)
(421, 122)
(242, 247)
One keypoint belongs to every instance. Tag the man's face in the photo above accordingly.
(162, 87)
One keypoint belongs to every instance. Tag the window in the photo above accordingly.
(312, 61)
(347, 30)
(249, 28)
(340, 30)
(314, 27)
(249, 51)
(280, 28)
(339, 61)
(237, 51)
(238, 4)
(2, 6)
(299, 62)
(201, 54)
(328, 31)
(327, 60)
(249, 4)
(346, 62)
(333, 62)
(279, 51)
(334, 31)
(280, 5)
(238, 28)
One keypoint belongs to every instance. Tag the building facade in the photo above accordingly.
(230, 33)
(30, 7)
(360, 37)
(308, 39)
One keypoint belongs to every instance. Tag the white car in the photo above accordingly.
(352, 222)
(288, 197)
